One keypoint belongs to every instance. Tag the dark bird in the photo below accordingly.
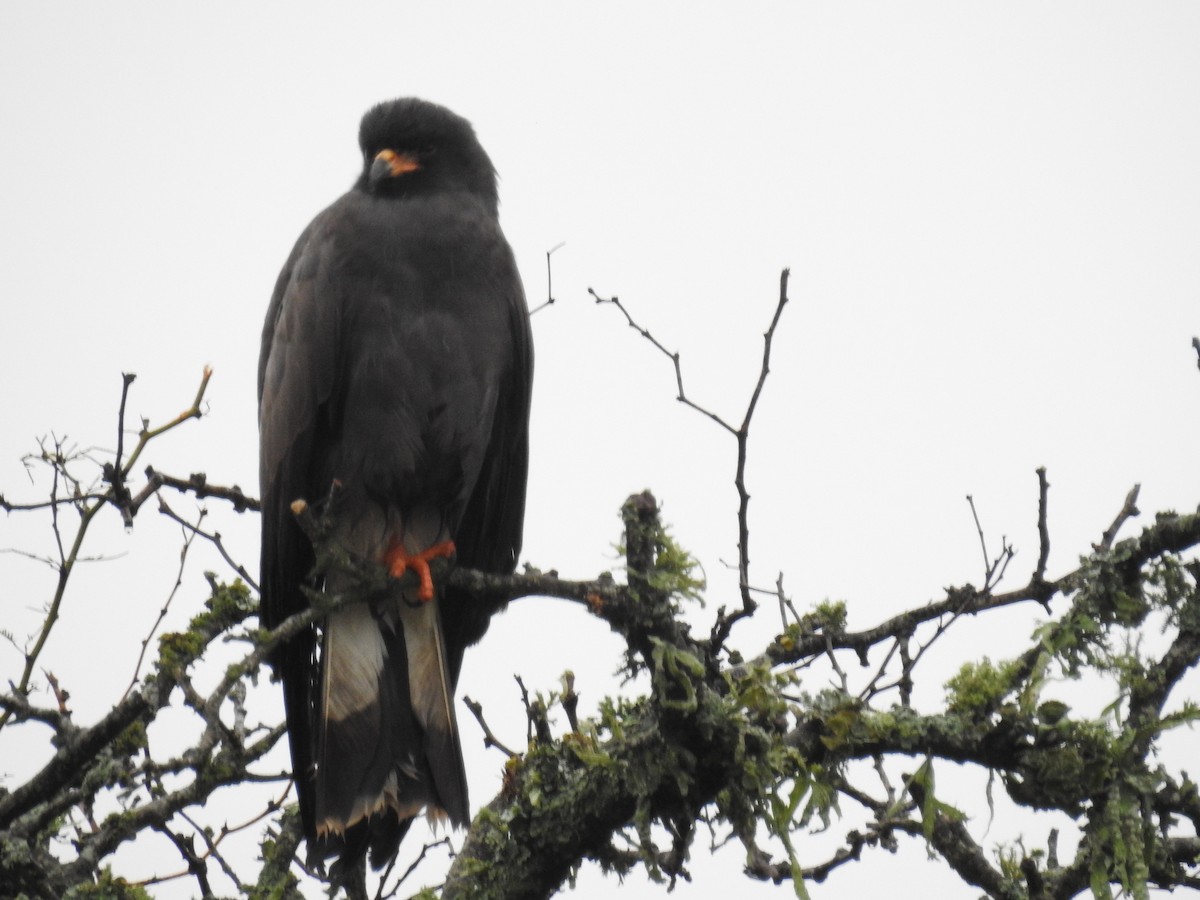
(396, 366)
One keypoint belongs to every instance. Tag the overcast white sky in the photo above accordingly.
(991, 212)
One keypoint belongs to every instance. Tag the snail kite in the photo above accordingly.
(396, 365)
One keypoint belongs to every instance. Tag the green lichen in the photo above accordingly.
(981, 687)
(674, 571)
(227, 606)
(132, 740)
(107, 887)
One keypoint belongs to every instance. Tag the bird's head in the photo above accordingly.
(411, 147)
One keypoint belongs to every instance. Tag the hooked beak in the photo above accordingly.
(390, 164)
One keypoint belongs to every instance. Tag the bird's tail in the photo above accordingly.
(387, 744)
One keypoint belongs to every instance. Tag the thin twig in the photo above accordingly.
(113, 473)
(272, 807)
(725, 623)
(550, 300)
(999, 565)
(117, 494)
(569, 700)
(412, 867)
(213, 538)
(743, 436)
(195, 864)
(67, 560)
(993, 569)
(1128, 511)
(22, 710)
(489, 739)
(8, 506)
(785, 604)
(982, 540)
(528, 710)
(188, 538)
(907, 661)
(871, 689)
(844, 684)
(681, 395)
(197, 483)
(211, 851)
(1039, 574)
(61, 694)
(148, 434)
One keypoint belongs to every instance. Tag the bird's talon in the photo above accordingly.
(398, 561)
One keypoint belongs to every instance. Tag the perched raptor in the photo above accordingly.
(394, 384)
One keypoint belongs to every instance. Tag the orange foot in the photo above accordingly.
(398, 562)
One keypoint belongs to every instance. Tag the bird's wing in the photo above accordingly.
(489, 534)
(296, 381)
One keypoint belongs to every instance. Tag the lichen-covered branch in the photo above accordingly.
(757, 748)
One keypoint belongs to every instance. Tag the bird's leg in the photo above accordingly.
(398, 561)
